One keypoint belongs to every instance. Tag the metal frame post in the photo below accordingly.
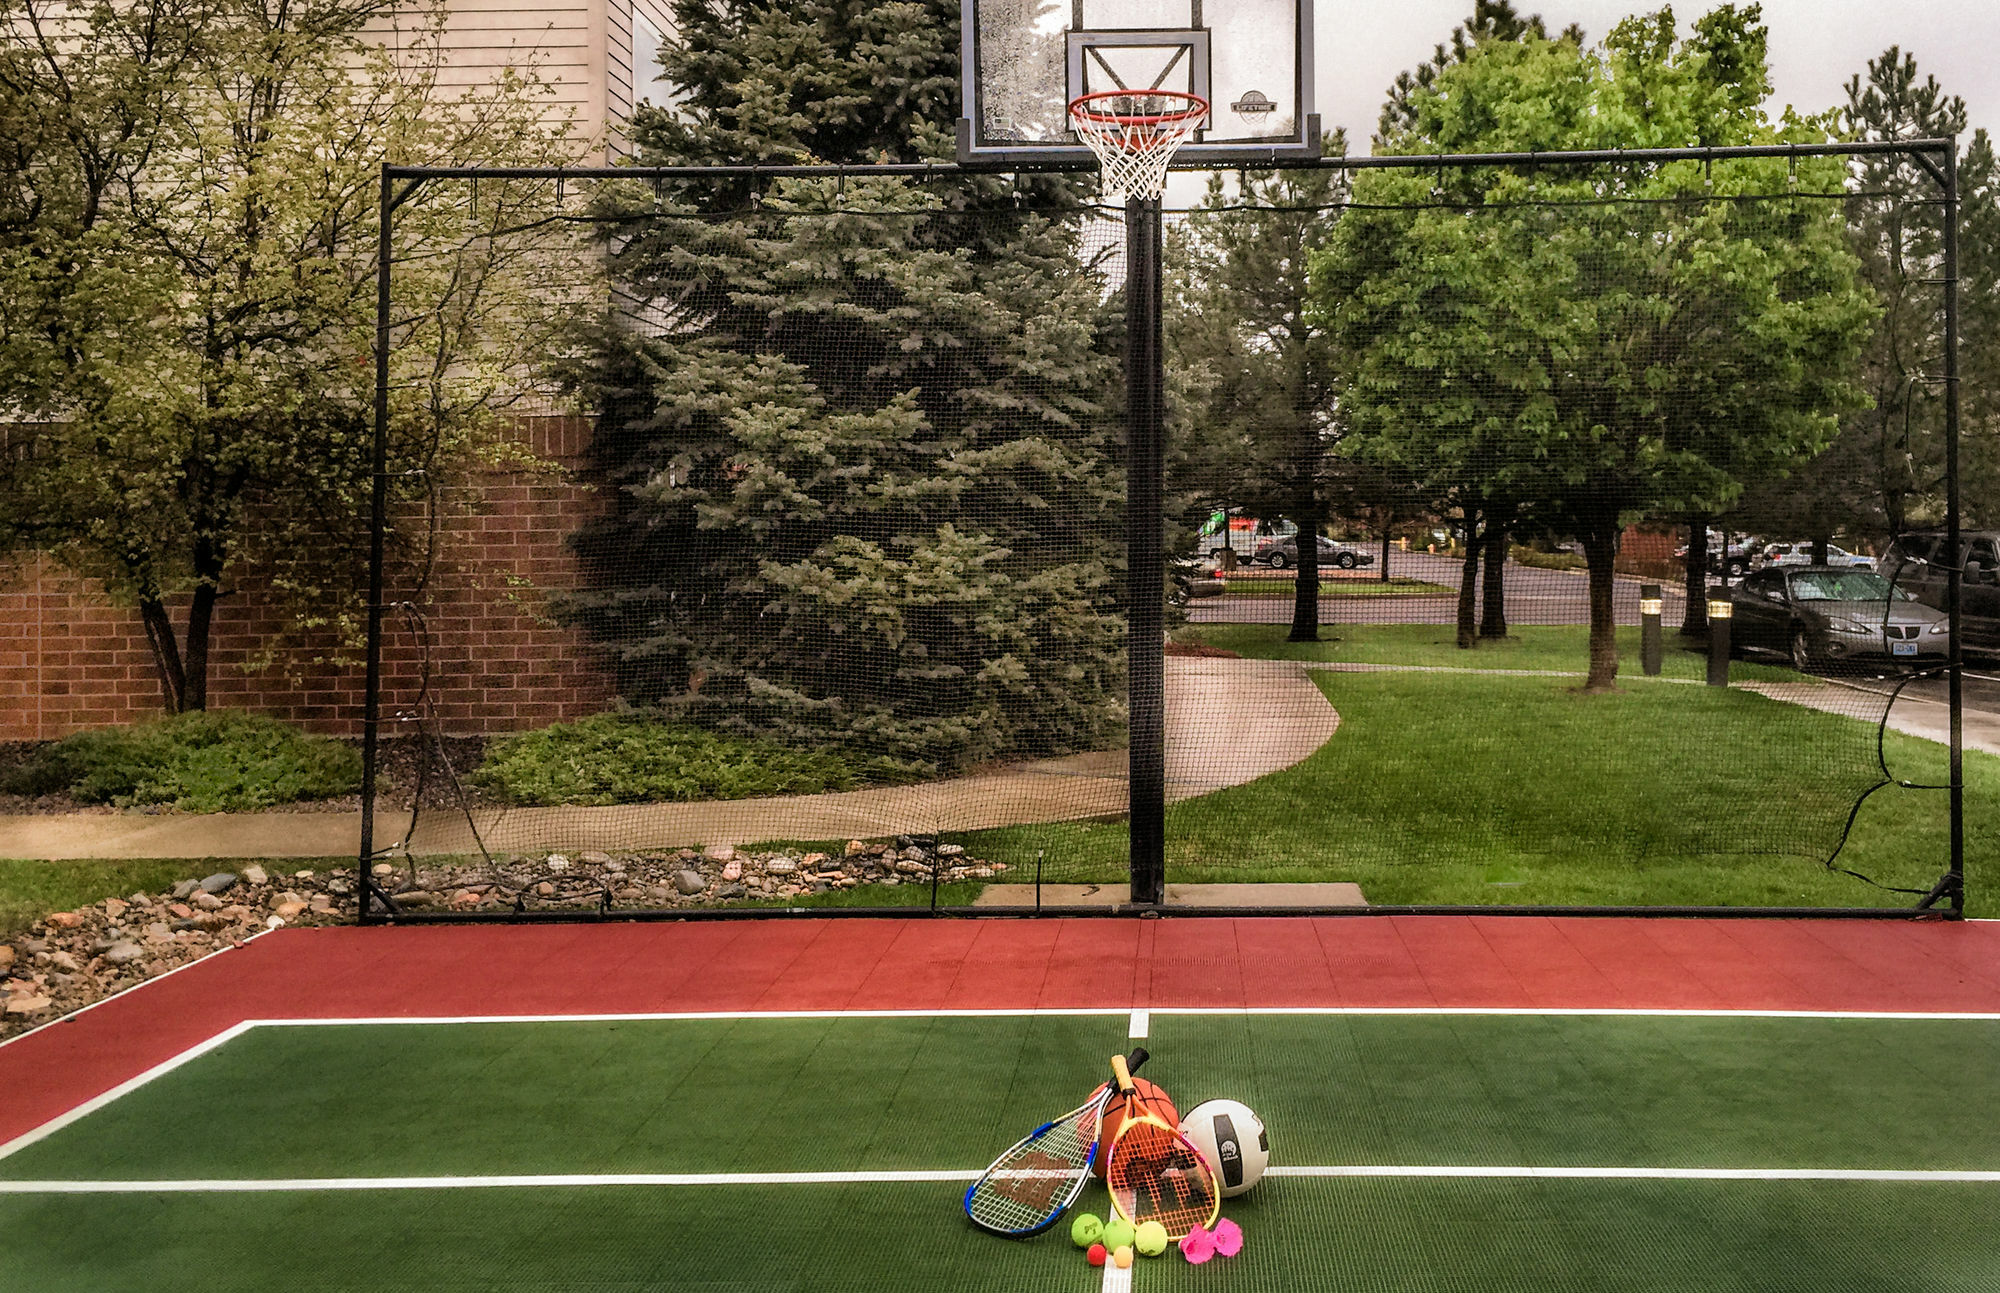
(1145, 422)
(1719, 615)
(1951, 887)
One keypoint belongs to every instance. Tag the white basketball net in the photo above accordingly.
(1135, 134)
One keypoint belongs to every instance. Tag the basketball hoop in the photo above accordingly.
(1135, 134)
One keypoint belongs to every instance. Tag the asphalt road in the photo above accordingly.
(1534, 596)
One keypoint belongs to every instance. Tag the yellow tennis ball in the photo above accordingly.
(1117, 1234)
(1150, 1239)
(1086, 1229)
(1123, 1257)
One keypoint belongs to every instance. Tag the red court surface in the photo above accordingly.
(1462, 962)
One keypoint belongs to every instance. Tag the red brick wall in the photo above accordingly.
(71, 660)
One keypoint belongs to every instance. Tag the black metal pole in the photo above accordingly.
(378, 508)
(1145, 422)
(1718, 635)
(1953, 539)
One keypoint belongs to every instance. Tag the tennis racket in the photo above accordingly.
(1030, 1186)
(1155, 1174)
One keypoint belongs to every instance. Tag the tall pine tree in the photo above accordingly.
(864, 443)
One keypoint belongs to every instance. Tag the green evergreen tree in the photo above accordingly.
(865, 448)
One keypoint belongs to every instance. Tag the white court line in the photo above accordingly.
(1524, 1011)
(918, 1177)
(91, 1106)
(1142, 1023)
(98, 1102)
(1117, 1280)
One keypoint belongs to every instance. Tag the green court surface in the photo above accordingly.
(1415, 1151)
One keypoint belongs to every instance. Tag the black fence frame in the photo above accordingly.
(1145, 556)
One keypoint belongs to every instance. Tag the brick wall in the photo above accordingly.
(71, 660)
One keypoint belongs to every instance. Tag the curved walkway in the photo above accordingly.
(1228, 722)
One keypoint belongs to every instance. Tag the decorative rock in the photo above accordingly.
(982, 873)
(913, 855)
(950, 850)
(123, 952)
(22, 1005)
(855, 846)
(63, 920)
(913, 868)
(208, 902)
(64, 961)
(690, 882)
(558, 863)
(718, 853)
(659, 893)
(116, 907)
(780, 866)
(732, 872)
(159, 932)
(179, 910)
(220, 882)
(6, 956)
(186, 887)
(545, 889)
(594, 859)
(731, 891)
(416, 898)
(381, 868)
(254, 874)
(293, 910)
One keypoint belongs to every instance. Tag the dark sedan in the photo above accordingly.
(1282, 554)
(1820, 615)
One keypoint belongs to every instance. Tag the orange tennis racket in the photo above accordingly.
(1155, 1173)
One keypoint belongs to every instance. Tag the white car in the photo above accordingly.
(1800, 554)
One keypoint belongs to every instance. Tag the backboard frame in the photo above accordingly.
(981, 148)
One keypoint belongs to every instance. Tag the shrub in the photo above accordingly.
(225, 761)
(632, 758)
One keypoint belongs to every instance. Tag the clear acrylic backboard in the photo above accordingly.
(1025, 60)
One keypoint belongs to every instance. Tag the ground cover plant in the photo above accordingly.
(635, 758)
(208, 762)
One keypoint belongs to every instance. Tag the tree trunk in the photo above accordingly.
(1600, 551)
(1820, 544)
(1493, 605)
(166, 653)
(201, 617)
(1383, 573)
(1468, 580)
(1305, 593)
(1694, 620)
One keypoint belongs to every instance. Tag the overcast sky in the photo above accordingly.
(1816, 45)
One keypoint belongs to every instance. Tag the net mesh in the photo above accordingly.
(1135, 134)
(808, 582)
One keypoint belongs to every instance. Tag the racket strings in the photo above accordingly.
(1037, 1178)
(1156, 1176)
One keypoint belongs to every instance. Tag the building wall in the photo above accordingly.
(70, 659)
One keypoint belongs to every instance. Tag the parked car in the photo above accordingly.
(1229, 529)
(1919, 565)
(1801, 554)
(1280, 554)
(1731, 561)
(1819, 615)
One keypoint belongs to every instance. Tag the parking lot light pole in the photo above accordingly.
(1718, 635)
(1649, 629)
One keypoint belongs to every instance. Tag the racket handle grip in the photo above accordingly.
(1135, 1059)
(1122, 1073)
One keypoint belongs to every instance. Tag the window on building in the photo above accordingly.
(649, 82)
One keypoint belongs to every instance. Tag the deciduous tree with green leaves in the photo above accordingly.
(1598, 343)
(187, 296)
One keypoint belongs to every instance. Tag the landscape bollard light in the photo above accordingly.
(1718, 635)
(1649, 629)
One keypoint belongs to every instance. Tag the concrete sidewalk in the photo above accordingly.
(1228, 722)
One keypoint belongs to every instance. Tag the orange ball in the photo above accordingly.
(1147, 1097)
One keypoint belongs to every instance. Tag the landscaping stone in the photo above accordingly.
(733, 872)
(690, 882)
(220, 882)
(123, 952)
(254, 874)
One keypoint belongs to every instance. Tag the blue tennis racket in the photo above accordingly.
(1028, 1188)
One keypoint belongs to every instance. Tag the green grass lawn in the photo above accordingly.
(1533, 647)
(31, 890)
(1461, 788)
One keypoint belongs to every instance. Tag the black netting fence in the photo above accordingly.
(809, 582)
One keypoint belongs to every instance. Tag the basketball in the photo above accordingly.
(1233, 1140)
(1147, 1097)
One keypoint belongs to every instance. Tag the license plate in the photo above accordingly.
(1902, 648)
